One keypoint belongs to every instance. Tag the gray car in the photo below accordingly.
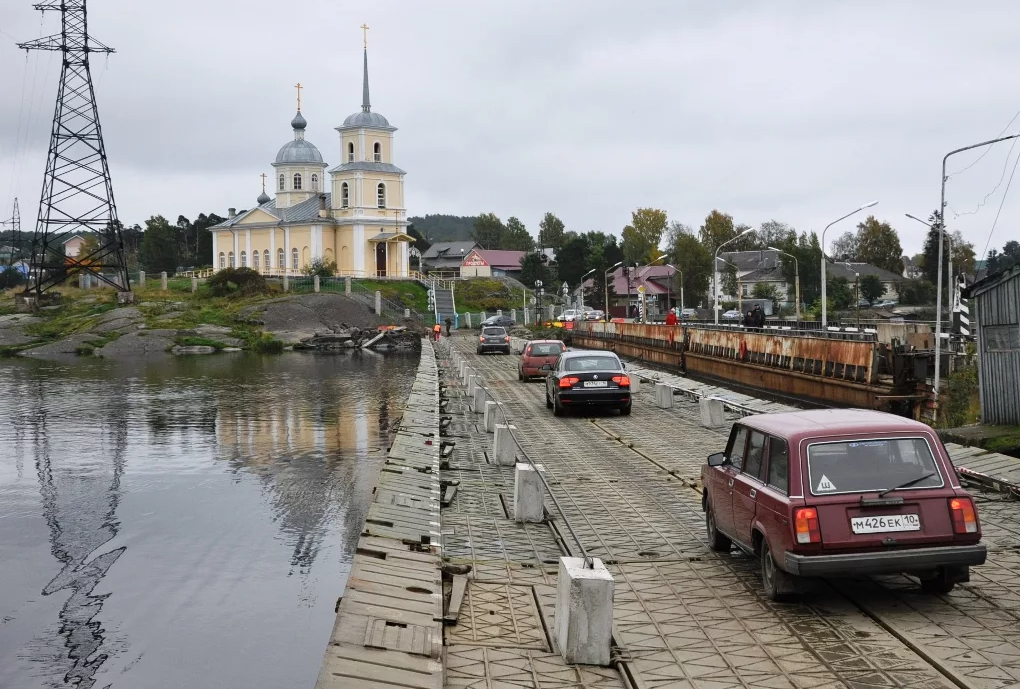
(493, 339)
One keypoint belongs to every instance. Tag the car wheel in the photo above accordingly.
(548, 402)
(776, 582)
(625, 410)
(520, 376)
(558, 409)
(716, 541)
(937, 586)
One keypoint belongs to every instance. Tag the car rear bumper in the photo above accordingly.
(532, 371)
(595, 397)
(887, 562)
(502, 347)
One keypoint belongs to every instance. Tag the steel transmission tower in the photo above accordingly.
(77, 196)
(15, 244)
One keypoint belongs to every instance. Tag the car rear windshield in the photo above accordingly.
(494, 331)
(546, 349)
(593, 363)
(871, 465)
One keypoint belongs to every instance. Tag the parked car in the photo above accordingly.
(884, 304)
(840, 492)
(492, 339)
(537, 354)
(570, 315)
(863, 303)
(503, 321)
(688, 314)
(586, 378)
(732, 315)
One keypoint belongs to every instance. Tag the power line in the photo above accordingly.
(1001, 203)
(994, 189)
(986, 151)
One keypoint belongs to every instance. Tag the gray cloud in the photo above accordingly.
(791, 110)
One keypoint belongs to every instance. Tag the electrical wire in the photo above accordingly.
(1001, 204)
(17, 137)
(987, 150)
(994, 189)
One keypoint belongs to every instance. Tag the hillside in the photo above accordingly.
(444, 228)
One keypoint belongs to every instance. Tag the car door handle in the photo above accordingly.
(731, 483)
(753, 492)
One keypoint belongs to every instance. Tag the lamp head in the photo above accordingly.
(868, 205)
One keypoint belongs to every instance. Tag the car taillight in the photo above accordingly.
(569, 382)
(805, 521)
(622, 381)
(481, 339)
(964, 516)
(506, 339)
(527, 352)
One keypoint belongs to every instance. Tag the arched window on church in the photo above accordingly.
(378, 152)
(345, 195)
(297, 181)
(223, 260)
(265, 259)
(294, 258)
(380, 195)
(230, 259)
(244, 259)
(281, 260)
(350, 152)
(255, 260)
(315, 182)
(283, 182)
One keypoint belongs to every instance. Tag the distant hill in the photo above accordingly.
(444, 228)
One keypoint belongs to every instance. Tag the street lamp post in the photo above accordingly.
(715, 267)
(606, 275)
(675, 271)
(796, 279)
(948, 239)
(582, 287)
(825, 320)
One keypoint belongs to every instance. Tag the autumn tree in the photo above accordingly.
(551, 232)
(692, 259)
(879, 245)
(641, 238)
(845, 247)
(717, 228)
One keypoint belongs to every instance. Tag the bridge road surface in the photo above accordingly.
(685, 616)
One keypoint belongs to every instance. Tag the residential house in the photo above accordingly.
(624, 295)
(72, 245)
(852, 270)
(446, 257)
(750, 267)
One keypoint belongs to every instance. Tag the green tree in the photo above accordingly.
(845, 247)
(916, 292)
(808, 253)
(774, 233)
(489, 231)
(879, 245)
(551, 232)
(964, 256)
(641, 238)
(602, 253)
(159, 246)
(717, 228)
(872, 287)
(516, 237)
(11, 277)
(999, 261)
(321, 267)
(203, 238)
(571, 260)
(533, 268)
(766, 290)
(729, 280)
(693, 260)
(840, 293)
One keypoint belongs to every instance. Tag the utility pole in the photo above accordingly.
(15, 223)
(77, 195)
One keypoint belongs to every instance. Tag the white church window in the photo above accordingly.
(380, 195)
(265, 257)
(283, 182)
(350, 152)
(315, 182)
(378, 152)
(230, 259)
(244, 259)
(255, 260)
(223, 260)
(345, 195)
(294, 258)
(281, 261)
(297, 181)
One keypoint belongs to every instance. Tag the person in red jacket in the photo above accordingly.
(671, 317)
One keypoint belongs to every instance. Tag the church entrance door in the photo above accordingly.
(380, 259)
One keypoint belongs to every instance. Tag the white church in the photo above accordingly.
(355, 218)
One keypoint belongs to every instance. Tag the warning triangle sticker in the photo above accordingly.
(825, 484)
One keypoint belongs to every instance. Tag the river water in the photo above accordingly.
(187, 523)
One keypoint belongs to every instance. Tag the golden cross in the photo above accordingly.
(298, 87)
(364, 31)
(263, 183)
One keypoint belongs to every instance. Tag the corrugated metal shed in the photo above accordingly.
(997, 305)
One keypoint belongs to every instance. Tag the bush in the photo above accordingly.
(242, 282)
(320, 267)
(916, 292)
(11, 277)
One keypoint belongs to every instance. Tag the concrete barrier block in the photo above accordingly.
(503, 445)
(141, 278)
(584, 611)
(663, 396)
(315, 283)
(162, 281)
(194, 285)
(635, 385)
(713, 415)
(528, 493)
(479, 400)
(472, 383)
(492, 414)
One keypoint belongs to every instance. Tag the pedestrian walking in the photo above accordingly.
(449, 324)
(748, 320)
(759, 316)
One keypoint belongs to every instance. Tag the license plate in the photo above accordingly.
(596, 383)
(884, 524)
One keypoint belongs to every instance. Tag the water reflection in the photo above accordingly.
(308, 431)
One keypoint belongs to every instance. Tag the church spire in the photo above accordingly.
(366, 104)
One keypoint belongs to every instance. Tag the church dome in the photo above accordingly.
(263, 198)
(367, 119)
(299, 121)
(298, 151)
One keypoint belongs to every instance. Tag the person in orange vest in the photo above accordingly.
(671, 317)
(436, 330)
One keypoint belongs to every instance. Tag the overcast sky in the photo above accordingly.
(796, 111)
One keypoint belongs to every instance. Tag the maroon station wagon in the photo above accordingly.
(841, 493)
(537, 354)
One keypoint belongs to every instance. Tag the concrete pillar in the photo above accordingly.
(525, 315)
(315, 283)
(461, 368)
(584, 611)
(162, 281)
(479, 400)
(513, 315)
(286, 283)
(663, 396)
(504, 447)
(528, 493)
(472, 383)
(467, 319)
(347, 284)
(378, 303)
(407, 313)
(712, 413)
(493, 412)
(499, 312)
(141, 279)
(194, 285)
(635, 385)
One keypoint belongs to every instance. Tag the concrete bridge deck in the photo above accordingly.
(685, 616)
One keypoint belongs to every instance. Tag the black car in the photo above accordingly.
(501, 321)
(587, 378)
(493, 339)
